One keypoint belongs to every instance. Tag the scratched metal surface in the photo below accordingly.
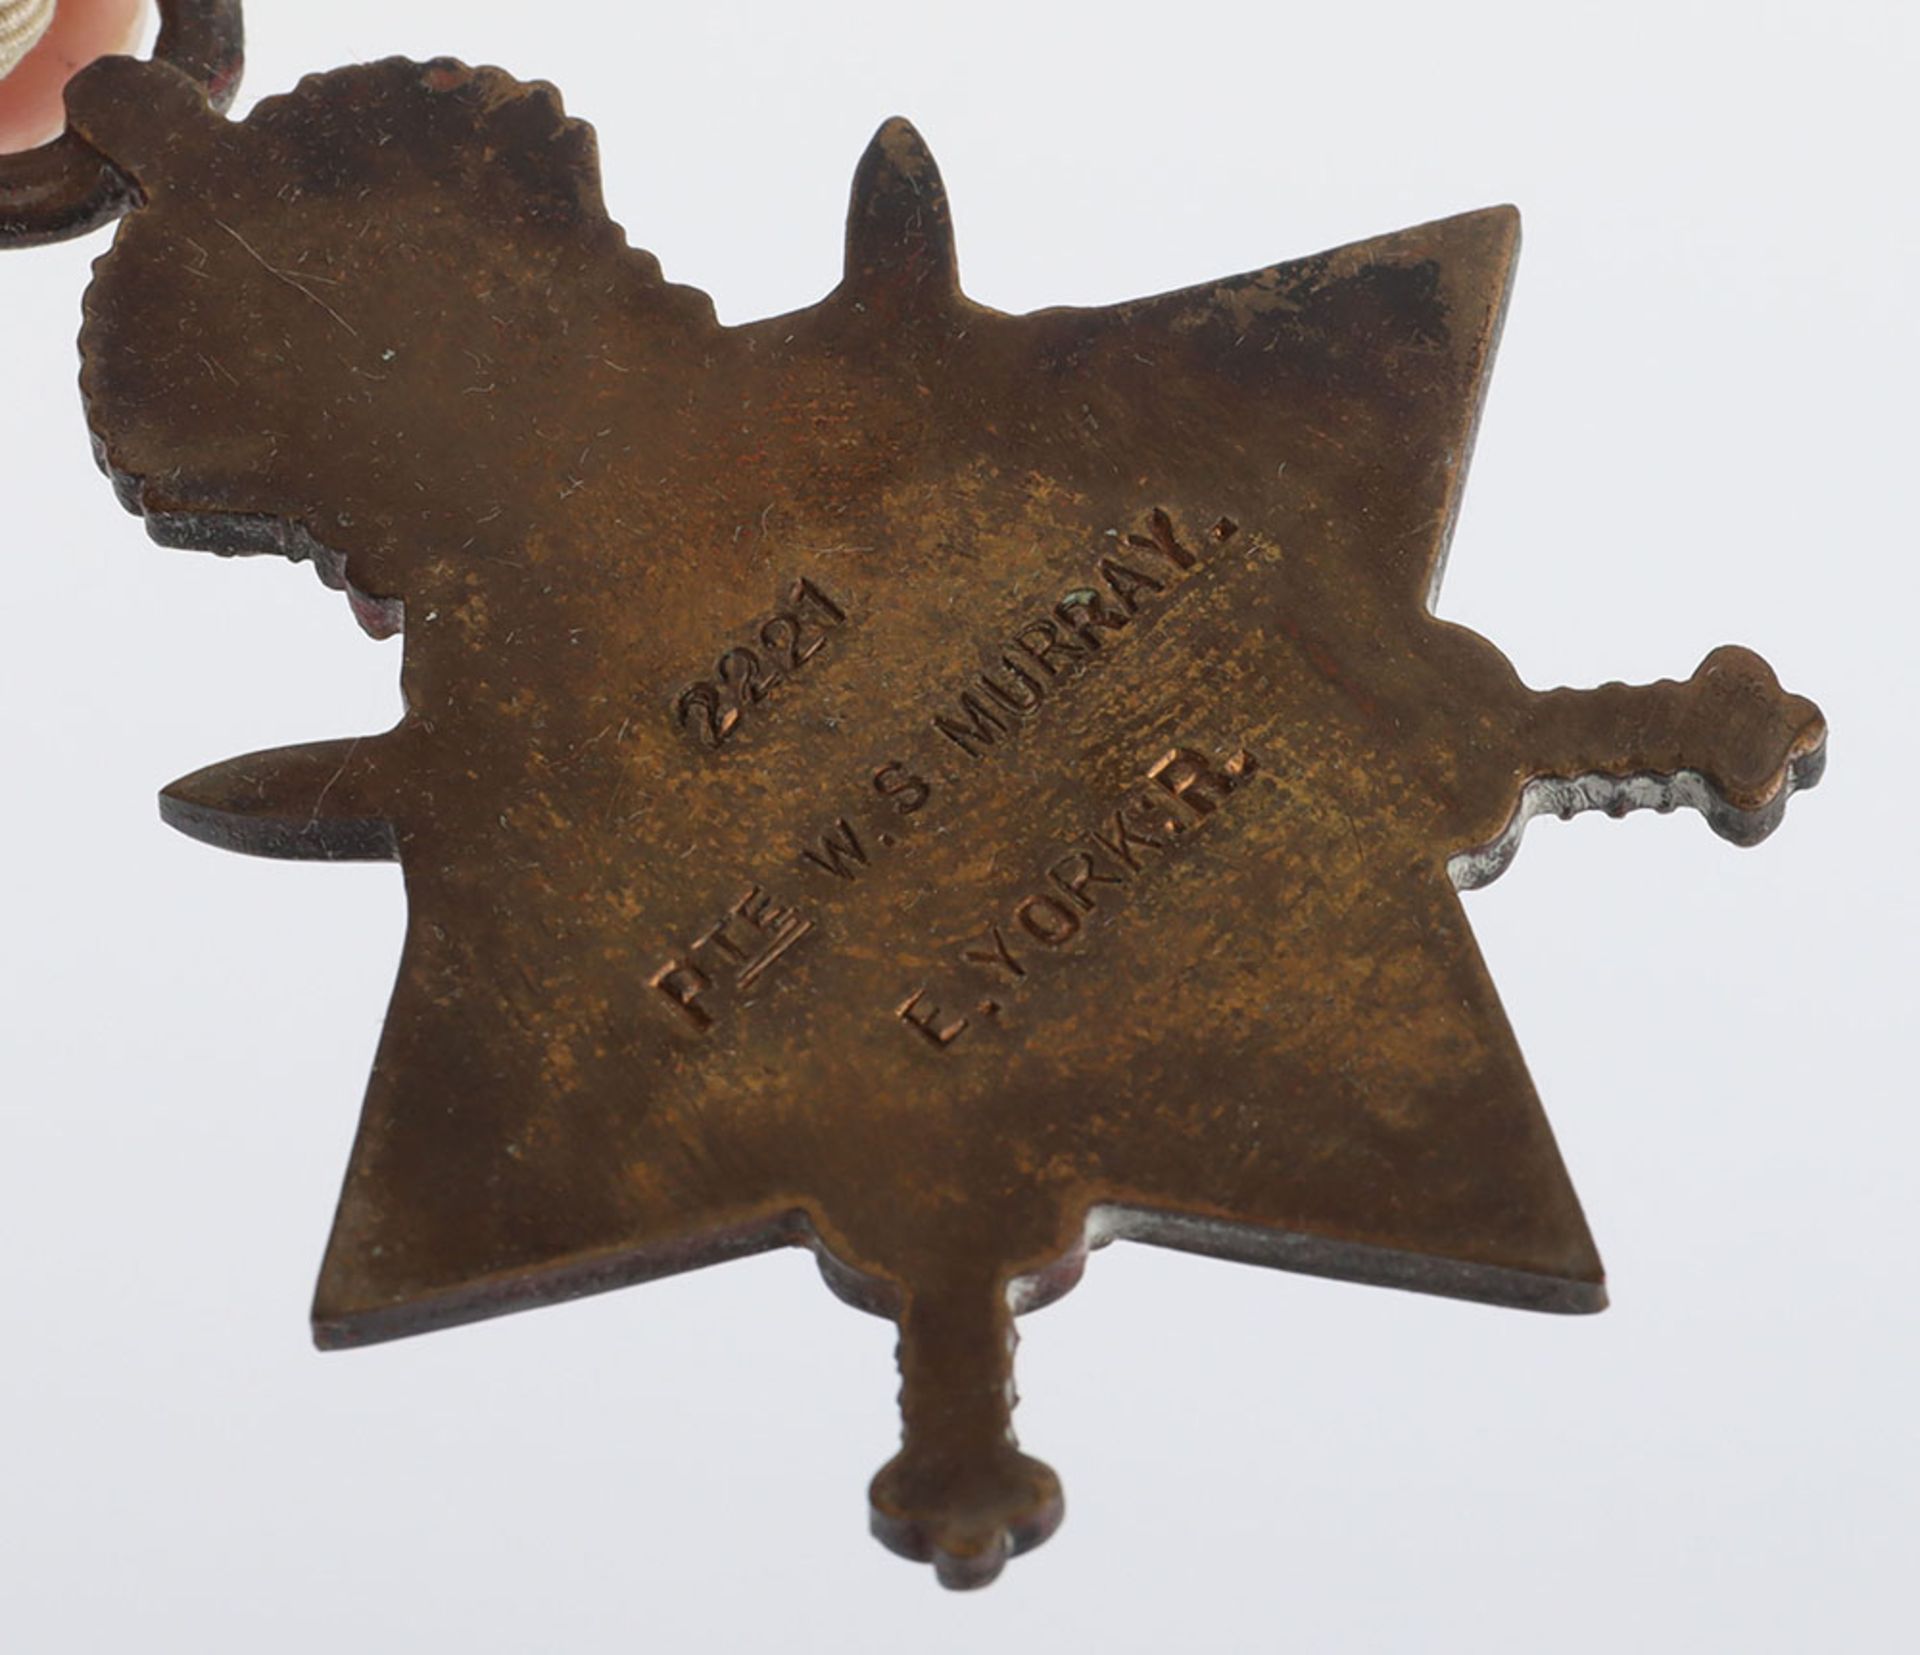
(942, 787)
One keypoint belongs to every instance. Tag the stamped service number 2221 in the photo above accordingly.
(710, 709)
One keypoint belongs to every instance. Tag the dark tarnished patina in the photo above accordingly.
(944, 788)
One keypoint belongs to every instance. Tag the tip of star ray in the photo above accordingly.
(1503, 218)
(899, 235)
(897, 129)
(898, 152)
(1495, 230)
(1498, 225)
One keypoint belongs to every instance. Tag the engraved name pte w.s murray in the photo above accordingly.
(1070, 631)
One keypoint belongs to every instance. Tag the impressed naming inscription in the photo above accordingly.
(1185, 787)
(1036, 660)
(1057, 643)
(738, 947)
(743, 676)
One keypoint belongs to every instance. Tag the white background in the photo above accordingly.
(1701, 430)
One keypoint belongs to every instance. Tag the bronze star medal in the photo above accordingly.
(943, 788)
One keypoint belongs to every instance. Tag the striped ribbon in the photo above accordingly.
(22, 23)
